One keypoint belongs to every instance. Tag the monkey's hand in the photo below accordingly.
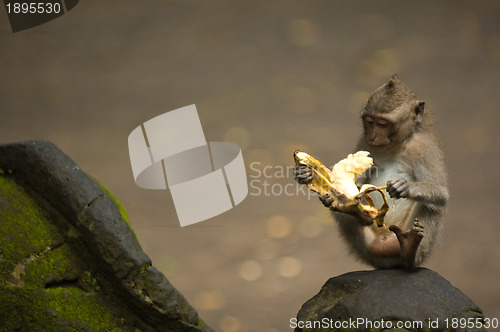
(327, 200)
(399, 188)
(338, 202)
(303, 174)
(334, 200)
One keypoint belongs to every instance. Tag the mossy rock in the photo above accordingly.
(69, 260)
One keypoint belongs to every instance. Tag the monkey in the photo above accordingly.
(397, 131)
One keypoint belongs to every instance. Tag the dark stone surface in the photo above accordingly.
(389, 295)
(102, 268)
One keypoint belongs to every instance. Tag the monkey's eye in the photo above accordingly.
(382, 124)
(368, 120)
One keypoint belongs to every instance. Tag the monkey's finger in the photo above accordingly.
(299, 170)
(418, 230)
(393, 192)
(301, 167)
(404, 192)
(390, 186)
(303, 174)
(304, 180)
(396, 230)
(396, 184)
(392, 183)
(418, 226)
(326, 199)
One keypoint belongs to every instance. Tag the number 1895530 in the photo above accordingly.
(33, 8)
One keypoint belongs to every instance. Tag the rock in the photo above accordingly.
(68, 257)
(384, 298)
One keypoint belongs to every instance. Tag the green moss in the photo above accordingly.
(53, 267)
(89, 282)
(24, 230)
(46, 283)
(7, 171)
(54, 309)
(144, 268)
(79, 309)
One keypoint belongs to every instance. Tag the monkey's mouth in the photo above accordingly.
(379, 144)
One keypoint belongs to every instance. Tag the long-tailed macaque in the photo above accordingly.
(407, 158)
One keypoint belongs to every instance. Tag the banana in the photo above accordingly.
(321, 182)
(341, 180)
(344, 173)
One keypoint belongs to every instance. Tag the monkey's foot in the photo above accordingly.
(409, 242)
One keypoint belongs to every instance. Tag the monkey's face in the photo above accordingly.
(379, 131)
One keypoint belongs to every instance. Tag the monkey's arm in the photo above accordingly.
(428, 192)
(429, 184)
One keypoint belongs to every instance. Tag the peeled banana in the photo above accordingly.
(341, 181)
(344, 173)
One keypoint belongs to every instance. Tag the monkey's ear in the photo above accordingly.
(419, 111)
(392, 81)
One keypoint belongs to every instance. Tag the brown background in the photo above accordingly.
(271, 76)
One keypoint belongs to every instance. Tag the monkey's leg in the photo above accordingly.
(409, 242)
